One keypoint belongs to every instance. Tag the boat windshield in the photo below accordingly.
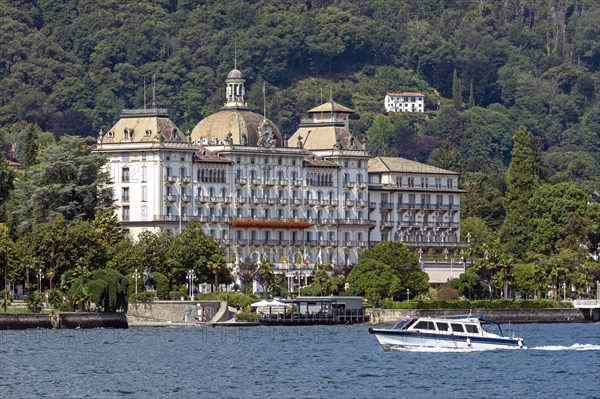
(403, 323)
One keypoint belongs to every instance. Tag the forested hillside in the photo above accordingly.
(486, 66)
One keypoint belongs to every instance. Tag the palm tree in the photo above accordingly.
(216, 265)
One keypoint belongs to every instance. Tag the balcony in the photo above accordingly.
(255, 182)
(186, 198)
(349, 185)
(406, 206)
(125, 199)
(362, 186)
(296, 202)
(241, 181)
(170, 198)
(283, 201)
(298, 182)
(170, 179)
(348, 203)
(270, 201)
(240, 200)
(282, 182)
(361, 203)
(386, 205)
(269, 182)
(185, 179)
(281, 223)
(349, 244)
(386, 223)
(227, 200)
(202, 199)
(255, 201)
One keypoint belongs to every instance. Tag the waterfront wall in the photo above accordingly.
(64, 320)
(178, 311)
(392, 316)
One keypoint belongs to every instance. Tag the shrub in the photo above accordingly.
(161, 284)
(480, 304)
(144, 296)
(447, 294)
(34, 302)
(176, 295)
(246, 316)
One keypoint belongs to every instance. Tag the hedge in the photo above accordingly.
(240, 301)
(480, 304)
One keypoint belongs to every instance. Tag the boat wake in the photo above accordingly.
(574, 347)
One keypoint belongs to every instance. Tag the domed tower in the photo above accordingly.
(235, 124)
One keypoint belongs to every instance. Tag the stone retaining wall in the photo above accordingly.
(64, 320)
(174, 311)
(392, 316)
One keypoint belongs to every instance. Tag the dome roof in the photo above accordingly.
(235, 74)
(243, 125)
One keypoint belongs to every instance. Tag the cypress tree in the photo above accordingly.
(471, 95)
(521, 181)
(456, 91)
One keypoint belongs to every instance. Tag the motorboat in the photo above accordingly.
(464, 332)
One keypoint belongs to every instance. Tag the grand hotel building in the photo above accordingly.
(318, 193)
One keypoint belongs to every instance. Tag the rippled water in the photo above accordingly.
(562, 360)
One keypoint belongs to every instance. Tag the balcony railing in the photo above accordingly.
(386, 205)
(186, 198)
(170, 179)
(170, 198)
(241, 181)
(186, 179)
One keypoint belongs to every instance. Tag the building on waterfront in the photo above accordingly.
(315, 197)
(404, 102)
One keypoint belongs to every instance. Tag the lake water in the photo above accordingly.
(562, 360)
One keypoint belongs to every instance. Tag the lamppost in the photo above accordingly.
(191, 275)
(136, 276)
(564, 292)
(408, 294)
(597, 291)
(40, 277)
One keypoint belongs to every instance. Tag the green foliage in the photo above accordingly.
(403, 263)
(34, 302)
(468, 305)
(522, 181)
(108, 290)
(247, 316)
(447, 294)
(161, 284)
(144, 297)
(68, 181)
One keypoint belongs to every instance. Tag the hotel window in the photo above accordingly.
(144, 212)
(280, 214)
(144, 174)
(439, 199)
(167, 171)
(125, 194)
(238, 160)
(450, 183)
(125, 175)
(400, 199)
(252, 160)
(438, 182)
(144, 193)
(399, 181)
(125, 213)
(181, 171)
(424, 182)
(143, 156)
(411, 182)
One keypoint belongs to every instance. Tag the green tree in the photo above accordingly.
(108, 290)
(404, 265)
(68, 180)
(374, 280)
(521, 183)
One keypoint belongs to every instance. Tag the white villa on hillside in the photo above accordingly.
(404, 102)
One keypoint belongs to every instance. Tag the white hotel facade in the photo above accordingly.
(258, 195)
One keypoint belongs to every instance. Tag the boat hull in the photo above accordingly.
(398, 339)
